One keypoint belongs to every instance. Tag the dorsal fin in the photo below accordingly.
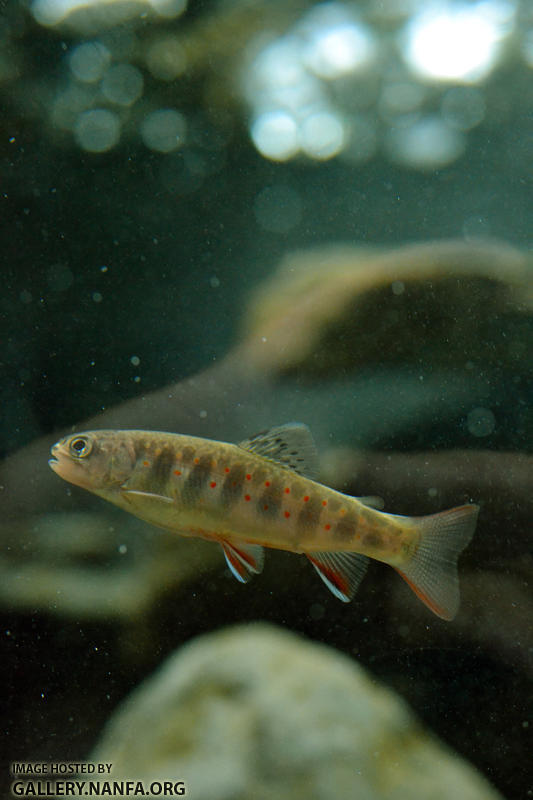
(290, 445)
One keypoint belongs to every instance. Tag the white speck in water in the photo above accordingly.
(97, 297)
(123, 549)
(481, 422)
(214, 282)
(432, 492)
(137, 379)
(264, 338)
(203, 414)
(398, 287)
(135, 360)
(104, 269)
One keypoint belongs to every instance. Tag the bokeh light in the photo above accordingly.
(88, 61)
(335, 43)
(426, 143)
(97, 14)
(322, 135)
(164, 130)
(97, 130)
(122, 84)
(275, 134)
(457, 41)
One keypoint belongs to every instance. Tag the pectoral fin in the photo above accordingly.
(341, 572)
(244, 560)
(131, 494)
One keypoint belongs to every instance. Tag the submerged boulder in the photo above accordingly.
(450, 303)
(254, 711)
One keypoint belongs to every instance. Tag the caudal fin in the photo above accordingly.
(432, 571)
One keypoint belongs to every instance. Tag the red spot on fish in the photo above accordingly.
(212, 484)
(306, 498)
(177, 472)
(267, 483)
(247, 497)
(324, 502)
(327, 527)
(196, 460)
(226, 469)
(287, 514)
(287, 490)
(146, 463)
(265, 508)
(248, 477)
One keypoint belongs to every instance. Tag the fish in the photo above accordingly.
(262, 493)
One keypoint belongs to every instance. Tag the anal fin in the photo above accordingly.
(244, 560)
(342, 572)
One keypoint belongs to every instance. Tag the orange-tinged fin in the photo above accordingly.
(245, 560)
(432, 571)
(341, 572)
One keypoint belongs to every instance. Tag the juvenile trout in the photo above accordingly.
(261, 493)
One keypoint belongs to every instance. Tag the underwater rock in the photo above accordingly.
(254, 711)
(95, 566)
(444, 303)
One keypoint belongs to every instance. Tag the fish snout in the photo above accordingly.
(54, 452)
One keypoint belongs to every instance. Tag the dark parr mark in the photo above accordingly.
(162, 466)
(187, 454)
(232, 486)
(310, 513)
(345, 530)
(269, 504)
(198, 477)
(371, 540)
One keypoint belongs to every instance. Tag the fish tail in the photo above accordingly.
(431, 571)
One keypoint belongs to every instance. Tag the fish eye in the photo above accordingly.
(80, 446)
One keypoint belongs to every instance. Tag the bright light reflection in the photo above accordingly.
(275, 134)
(457, 41)
(428, 143)
(338, 51)
(322, 135)
(52, 12)
(334, 43)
